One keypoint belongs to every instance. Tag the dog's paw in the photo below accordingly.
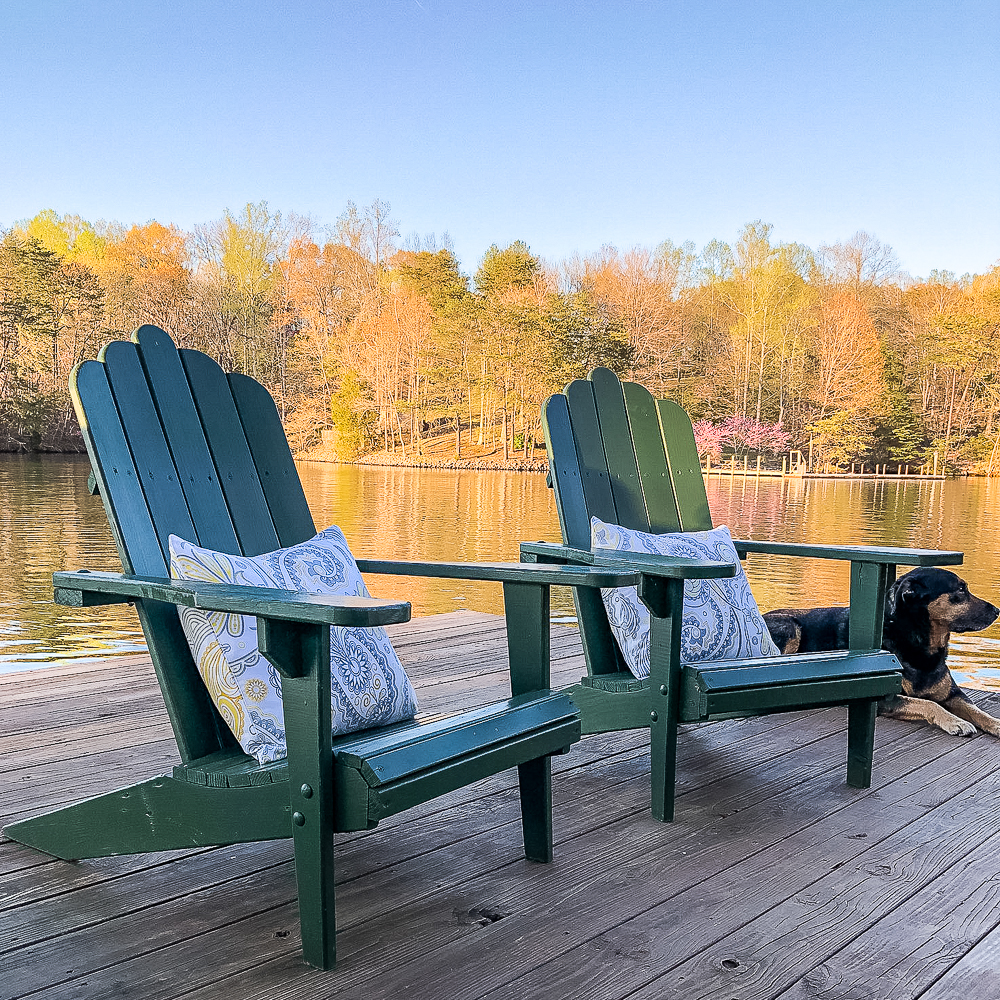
(959, 727)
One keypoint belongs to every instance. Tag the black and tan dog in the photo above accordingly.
(922, 609)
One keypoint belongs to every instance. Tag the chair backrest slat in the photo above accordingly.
(272, 458)
(242, 493)
(565, 476)
(156, 475)
(654, 476)
(623, 470)
(595, 476)
(118, 479)
(186, 438)
(685, 467)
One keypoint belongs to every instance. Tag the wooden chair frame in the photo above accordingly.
(618, 454)
(177, 446)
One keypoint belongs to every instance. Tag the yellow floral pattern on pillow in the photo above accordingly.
(368, 684)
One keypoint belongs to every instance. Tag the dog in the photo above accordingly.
(922, 609)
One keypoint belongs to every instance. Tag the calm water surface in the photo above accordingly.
(49, 522)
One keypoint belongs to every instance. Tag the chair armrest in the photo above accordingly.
(552, 552)
(668, 567)
(854, 553)
(649, 564)
(90, 589)
(535, 573)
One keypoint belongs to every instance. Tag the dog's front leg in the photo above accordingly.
(960, 705)
(921, 710)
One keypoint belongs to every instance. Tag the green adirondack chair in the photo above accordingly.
(618, 454)
(177, 446)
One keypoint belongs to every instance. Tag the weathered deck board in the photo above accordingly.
(776, 880)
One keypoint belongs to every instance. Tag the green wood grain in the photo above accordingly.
(685, 466)
(286, 500)
(651, 459)
(565, 474)
(156, 475)
(665, 600)
(114, 469)
(417, 749)
(672, 567)
(547, 575)
(860, 742)
(186, 437)
(241, 489)
(623, 470)
(567, 479)
(303, 655)
(721, 703)
(287, 605)
(588, 442)
(853, 553)
(197, 726)
(158, 815)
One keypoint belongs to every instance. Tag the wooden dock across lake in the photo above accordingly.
(776, 879)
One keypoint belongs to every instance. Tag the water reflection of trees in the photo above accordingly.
(48, 521)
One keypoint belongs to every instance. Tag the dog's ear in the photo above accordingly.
(905, 593)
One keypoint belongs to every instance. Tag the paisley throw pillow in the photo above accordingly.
(721, 620)
(369, 685)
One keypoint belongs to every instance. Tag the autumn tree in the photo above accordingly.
(236, 265)
(849, 362)
(639, 291)
(448, 380)
(764, 290)
(859, 264)
(510, 286)
(146, 279)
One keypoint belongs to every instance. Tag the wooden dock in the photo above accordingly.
(776, 880)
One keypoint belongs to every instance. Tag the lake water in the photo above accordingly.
(48, 522)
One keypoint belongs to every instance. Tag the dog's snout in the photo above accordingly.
(977, 614)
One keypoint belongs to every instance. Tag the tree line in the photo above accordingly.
(380, 341)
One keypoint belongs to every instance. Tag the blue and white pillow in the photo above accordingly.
(369, 685)
(721, 620)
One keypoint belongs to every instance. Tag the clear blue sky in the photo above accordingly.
(567, 125)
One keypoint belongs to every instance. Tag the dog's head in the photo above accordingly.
(941, 596)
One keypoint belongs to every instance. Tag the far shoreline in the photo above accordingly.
(389, 460)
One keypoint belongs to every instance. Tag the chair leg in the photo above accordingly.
(860, 742)
(663, 767)
(314, 877)
(302, 654)
(665, 600)
(535, 781)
